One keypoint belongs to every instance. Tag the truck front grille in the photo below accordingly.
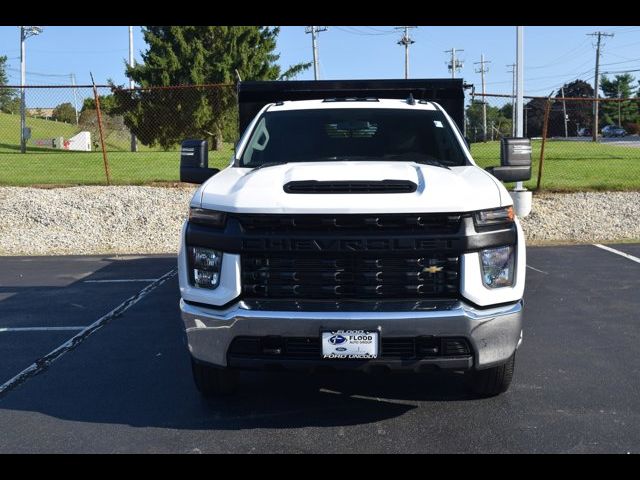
(428, 223)
(349, 276)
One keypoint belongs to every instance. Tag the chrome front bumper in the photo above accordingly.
(494, 333)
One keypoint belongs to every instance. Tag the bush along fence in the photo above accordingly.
(568, 154)
(86, 134)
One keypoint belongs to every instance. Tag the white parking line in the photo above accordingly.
(532, 268)
(122, 280)
(38, 329)
(43, 363)
(618, 252)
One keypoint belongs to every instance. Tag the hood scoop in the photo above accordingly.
(350, 186)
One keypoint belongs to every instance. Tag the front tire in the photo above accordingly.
(214, 381)
(492, 381)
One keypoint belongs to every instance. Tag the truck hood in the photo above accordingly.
(439, 189)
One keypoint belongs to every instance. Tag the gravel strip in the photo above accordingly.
(585, 217)
(135, 219)
(91, 220)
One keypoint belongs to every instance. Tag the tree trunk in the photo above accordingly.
(217, 140)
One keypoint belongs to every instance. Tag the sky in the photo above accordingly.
(553, 55)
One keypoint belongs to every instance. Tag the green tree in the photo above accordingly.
(579, 113)
(507, 110)
(107, 104)
(188, 55)
(64, 113)
(534, 116)
(618, 113)
(497, 122)
(8, 97)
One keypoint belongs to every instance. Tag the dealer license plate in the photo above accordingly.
(350, 344)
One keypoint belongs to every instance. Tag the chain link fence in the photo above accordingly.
(566, 154)
(81, 135)
(134, 136)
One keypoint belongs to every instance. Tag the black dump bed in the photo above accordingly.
(252, 96)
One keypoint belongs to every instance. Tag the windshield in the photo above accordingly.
(353, 134)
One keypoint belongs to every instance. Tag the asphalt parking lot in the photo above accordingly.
(127, 386)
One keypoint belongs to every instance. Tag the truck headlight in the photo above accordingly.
(205, 267)
(496, 216)
(497, 266)
(205, 216)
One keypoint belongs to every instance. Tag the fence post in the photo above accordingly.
(545, 125)
(104, 150)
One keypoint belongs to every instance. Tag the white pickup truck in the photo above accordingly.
(352, 232)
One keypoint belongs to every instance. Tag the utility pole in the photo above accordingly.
(25, 32)
(23, 75)
(564, 112)
(75, 96)
(454, 64)
(597, 81)
(482, 71)
(619, 105)
(519, 81)
(314, 44)
(513, 98)
(134, 142)
(406, 41)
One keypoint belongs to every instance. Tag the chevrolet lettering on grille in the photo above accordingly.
(342, 245)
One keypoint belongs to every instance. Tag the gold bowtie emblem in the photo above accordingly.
(432, 269)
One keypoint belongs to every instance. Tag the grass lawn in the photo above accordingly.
(47, 166)
(573, 166)
(568, 165)
(87, 168)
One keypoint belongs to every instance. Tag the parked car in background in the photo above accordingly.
(613, 131)
(584, 132)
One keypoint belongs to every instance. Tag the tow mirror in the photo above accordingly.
(194, 162)
(515, 160)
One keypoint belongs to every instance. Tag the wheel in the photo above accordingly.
(213, 381)
(492, 381)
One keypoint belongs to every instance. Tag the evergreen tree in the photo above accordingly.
(188, 55)
(8, 97)
(618, 113)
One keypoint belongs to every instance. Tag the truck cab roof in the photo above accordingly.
(333, 103)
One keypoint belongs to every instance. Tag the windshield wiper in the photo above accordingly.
(419, 158)
(435, 163)
(268, 164)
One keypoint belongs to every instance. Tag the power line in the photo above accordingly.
(618, 63)
(36, 74)
(355, 31)
(628, 30)
(627, 45)
(621, 71)
(382, 32)
(556, 61)
(555, 86)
